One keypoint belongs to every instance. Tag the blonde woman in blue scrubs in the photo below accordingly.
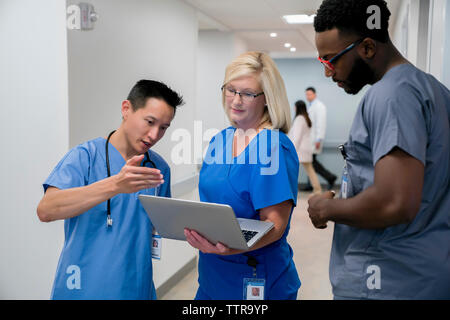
(253, 167)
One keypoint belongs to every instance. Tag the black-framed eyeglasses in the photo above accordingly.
(329, 63)
(245, 96)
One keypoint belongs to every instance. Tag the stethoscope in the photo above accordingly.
(147, 159)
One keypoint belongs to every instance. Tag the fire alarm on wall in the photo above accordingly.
(88, 16)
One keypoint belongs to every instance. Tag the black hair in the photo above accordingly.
(351, 17)
(145, 89)
(300, 109)
(311, 89)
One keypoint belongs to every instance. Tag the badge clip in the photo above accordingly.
(109, 221)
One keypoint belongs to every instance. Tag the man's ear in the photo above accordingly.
(126, 109)
(368, 48)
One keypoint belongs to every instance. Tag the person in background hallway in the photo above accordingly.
(318, 115)
(392, 223)
(300, 134)
(108, 256)
(255, 101)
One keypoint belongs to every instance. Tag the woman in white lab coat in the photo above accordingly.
(300, 134)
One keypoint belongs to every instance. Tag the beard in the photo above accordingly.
(359, 76)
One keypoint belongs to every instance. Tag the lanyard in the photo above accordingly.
(252, 262)
(147, 159)
(344, 183)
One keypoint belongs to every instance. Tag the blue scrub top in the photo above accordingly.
(264, 174)
(410, 110)
(100, 262)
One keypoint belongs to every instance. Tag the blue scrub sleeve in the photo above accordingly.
(281, 185)
(72, 171)
(398, 122)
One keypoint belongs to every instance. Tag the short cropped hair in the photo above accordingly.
(311, 89)
(277, 113)
(350, 17)
(145, 89)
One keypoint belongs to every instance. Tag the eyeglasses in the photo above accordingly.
(246, 97)
(329, 63)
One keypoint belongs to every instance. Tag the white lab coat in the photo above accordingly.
(300, 135)
(318, 114)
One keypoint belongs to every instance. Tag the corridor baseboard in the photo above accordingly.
(177, 277)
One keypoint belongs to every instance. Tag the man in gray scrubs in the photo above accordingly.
(392, 221)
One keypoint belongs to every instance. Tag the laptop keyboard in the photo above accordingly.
(248, 235)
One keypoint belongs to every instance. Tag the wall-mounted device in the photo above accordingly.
(88, 16)
(81, 16)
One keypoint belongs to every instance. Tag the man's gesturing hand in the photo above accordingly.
(133, 177)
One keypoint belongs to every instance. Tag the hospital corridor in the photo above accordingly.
(161, 149)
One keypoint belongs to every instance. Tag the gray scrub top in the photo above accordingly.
(408, 109)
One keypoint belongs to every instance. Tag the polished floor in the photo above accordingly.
(311, 256)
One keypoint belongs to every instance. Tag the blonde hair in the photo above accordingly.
(277, 115)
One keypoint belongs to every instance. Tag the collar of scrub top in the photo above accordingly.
(147, 159)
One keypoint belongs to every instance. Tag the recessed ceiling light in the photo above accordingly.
(293, 49)
(287, 45)
(273, 34)
(299, 18)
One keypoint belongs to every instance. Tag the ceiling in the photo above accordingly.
(254, 20)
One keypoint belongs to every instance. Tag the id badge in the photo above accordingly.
(156, 246)
(344, 187)
(344, 184)
(254, 289)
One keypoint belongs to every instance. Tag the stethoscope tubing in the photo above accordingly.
(108, 170)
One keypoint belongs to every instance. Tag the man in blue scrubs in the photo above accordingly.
(392, 223)
(107, 248)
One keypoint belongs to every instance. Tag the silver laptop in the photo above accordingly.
(215, 222)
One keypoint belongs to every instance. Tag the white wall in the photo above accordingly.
(216, 49)
(298, 74)
(407, 33)
(34, 131)
(133, 40)
(422, 34)
(446, 64)
(437, 38)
